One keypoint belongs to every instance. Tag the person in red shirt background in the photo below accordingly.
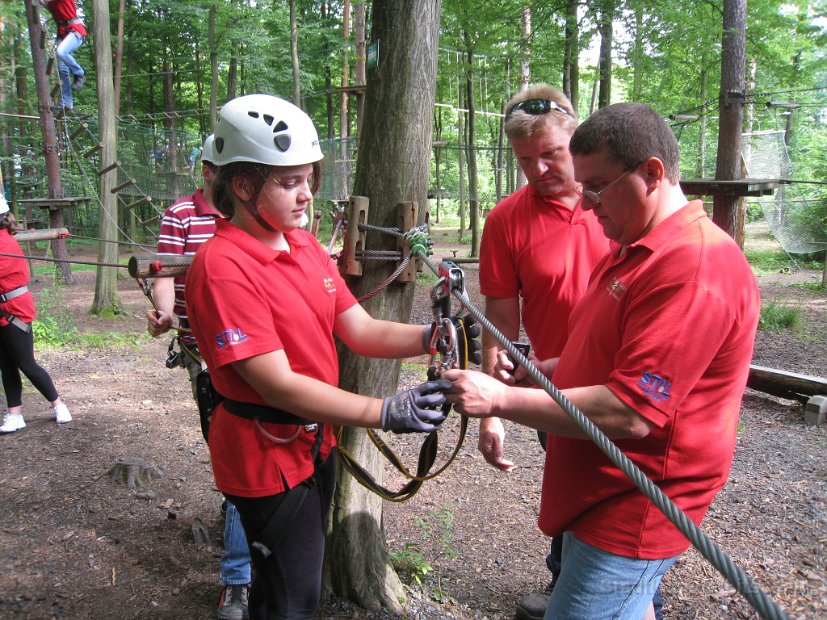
(657, 357)
(70, 35)
(538, 249)
(17, 311)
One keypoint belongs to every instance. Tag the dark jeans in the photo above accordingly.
(287, 584)
(16, 356)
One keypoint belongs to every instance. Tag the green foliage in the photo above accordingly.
(410, 564)
(765, 261)
(777, 317)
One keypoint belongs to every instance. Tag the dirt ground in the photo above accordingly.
(75, 544)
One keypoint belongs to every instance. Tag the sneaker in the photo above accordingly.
(12, 422)
(78, 82)
(232, 604)
(61, 414)
(533, 606)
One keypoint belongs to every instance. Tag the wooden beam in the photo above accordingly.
(784, 384)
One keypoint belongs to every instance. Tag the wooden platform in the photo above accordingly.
(54, 203)
(740, 187)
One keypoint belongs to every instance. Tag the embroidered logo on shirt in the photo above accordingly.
(655, 386)
(328, 284)
(616, 289)
(230, 337)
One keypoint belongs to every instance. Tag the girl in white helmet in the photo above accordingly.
(265, 302)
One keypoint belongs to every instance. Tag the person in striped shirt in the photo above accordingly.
(186, 225)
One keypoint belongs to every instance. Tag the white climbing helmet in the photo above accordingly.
(207, 151)
(267, 130)
(4, 206)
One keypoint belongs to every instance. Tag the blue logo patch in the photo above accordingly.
(655, 386)
(230, 337)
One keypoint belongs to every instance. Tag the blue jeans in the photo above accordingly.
(597, 585)
(235, 563)
(67, 66)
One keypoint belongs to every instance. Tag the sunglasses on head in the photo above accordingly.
(536, 107)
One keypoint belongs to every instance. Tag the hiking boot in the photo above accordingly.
(78, 82)
(62, 415)
(533, 606)
(232, 604)
(12, 422)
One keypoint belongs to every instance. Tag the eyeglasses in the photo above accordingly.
(536, 107)
(594, 197)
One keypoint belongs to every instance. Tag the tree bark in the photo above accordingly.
(47, 128)
(393, 167)
(106, 283)
(470, 144)
(294, 55)
(211, 43)
(733, 66)
(119, 56)
(571, 55)
(604, 97)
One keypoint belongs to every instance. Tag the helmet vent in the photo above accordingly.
(252, 114)
(282, 142)
(219, 145)
(269, 120)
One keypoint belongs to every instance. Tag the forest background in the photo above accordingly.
(176, 62)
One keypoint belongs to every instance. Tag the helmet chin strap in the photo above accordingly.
(252, 209)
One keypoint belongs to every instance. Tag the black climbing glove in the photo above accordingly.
(468, 334)
(416, 410)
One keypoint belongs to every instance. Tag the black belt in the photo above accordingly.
(263, 413)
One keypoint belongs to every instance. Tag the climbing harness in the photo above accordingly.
(450, 342)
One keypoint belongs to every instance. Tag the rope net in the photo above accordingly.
(790, 210)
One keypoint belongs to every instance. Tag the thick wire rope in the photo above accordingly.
(742, 582)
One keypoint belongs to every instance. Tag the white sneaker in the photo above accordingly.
(12, 422)
(62, 414)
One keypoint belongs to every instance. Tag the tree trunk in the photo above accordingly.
(294, 55)
(733, 65)
(571, 58)
(344, 125)
(361, 59)
(470, 141)
(461, 161)
(106, 284)
(47, 128)
(211, 43)
(172, 141)
(119, 56)
(393, 167)
(605, 65)
(703, 122)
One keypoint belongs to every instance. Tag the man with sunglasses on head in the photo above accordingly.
(657, 357)
(538, 250)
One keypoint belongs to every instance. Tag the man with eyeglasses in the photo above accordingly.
(537, 252)
(657, 357)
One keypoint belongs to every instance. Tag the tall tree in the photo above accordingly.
(47, 128)
(731, 97)
(393, 165)
(605, 19)
(471, 147)
(106, 283)
(571, 55)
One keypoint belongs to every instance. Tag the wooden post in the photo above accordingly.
(406, 216)
(354, 238)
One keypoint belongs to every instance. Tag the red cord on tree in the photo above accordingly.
(155, 266)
